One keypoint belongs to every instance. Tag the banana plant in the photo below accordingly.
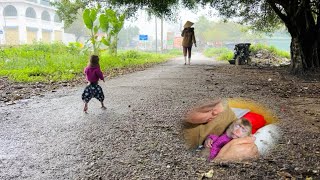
(89, 18)
(111, 23)
(105, 27)
(107, 21)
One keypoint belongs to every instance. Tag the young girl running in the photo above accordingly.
(93, 74)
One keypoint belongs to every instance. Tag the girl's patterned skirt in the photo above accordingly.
(92, 90)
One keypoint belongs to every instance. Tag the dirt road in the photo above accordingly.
(138, 137)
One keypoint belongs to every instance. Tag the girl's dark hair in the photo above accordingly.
(246, 122)
(94, 61)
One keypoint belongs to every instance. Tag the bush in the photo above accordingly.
(219, 53)
(131, 54)
(280, 53)
(41, 62)
(57, 62)
(130, 59)
(225, 56)
(175, 52)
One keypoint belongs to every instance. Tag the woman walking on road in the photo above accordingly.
(188, 40)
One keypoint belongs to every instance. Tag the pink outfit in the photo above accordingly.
(218, 143)
(93, 74)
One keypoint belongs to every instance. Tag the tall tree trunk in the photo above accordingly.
(318, 35)
(304, 53)
(304, 30)
(114, 45)
(296, 56)
(305, 44)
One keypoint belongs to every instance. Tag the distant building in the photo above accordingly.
(26, 21)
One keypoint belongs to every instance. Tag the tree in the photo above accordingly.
(203, 25)
(89, 19)
(106, 21)
(115, 21)
(67, 10)
(301, 17)
(208, 31)
(110, 20)
(127, 34)
(78, 27)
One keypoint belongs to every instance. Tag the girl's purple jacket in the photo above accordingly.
(93, 74)
(218, 143)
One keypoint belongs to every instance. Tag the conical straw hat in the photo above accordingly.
(188, 24)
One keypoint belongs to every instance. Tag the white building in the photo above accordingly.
(26, 21)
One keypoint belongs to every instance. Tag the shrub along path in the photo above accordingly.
(138, 136)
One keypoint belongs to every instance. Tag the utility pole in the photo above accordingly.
(156, 33)
(161, 34)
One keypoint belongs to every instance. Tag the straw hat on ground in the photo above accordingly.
(188, 24)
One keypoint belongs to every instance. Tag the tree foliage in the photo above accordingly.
(111, 23)
(127, 34)
(301, 17)
(67, 10)
(89, 18)
(77, 27)
(209, 31)
(106, 21)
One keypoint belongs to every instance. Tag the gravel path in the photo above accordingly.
(138, 136)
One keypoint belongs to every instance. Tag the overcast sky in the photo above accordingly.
(147, 25)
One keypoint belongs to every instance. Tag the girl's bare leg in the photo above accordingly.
(102, 105)
(85, 108)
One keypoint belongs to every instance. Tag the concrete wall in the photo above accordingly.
(20, 29)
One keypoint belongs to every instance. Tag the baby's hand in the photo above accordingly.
(208, 143)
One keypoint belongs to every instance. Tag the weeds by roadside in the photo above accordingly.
(41, 62)
(280, 53)
(225, 54)
(220, 53)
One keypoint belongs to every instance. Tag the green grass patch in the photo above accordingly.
(175, 52)
(222, 54)
(57, 62)
(130, 58)
(225, 56)
(280, 53)
(41, 62)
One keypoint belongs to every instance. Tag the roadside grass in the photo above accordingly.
(272, 49)
(227, 54)
(131, 58)
(41, 62)
(222, 54)
(175, 52)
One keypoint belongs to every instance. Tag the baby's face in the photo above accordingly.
(239, 131)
